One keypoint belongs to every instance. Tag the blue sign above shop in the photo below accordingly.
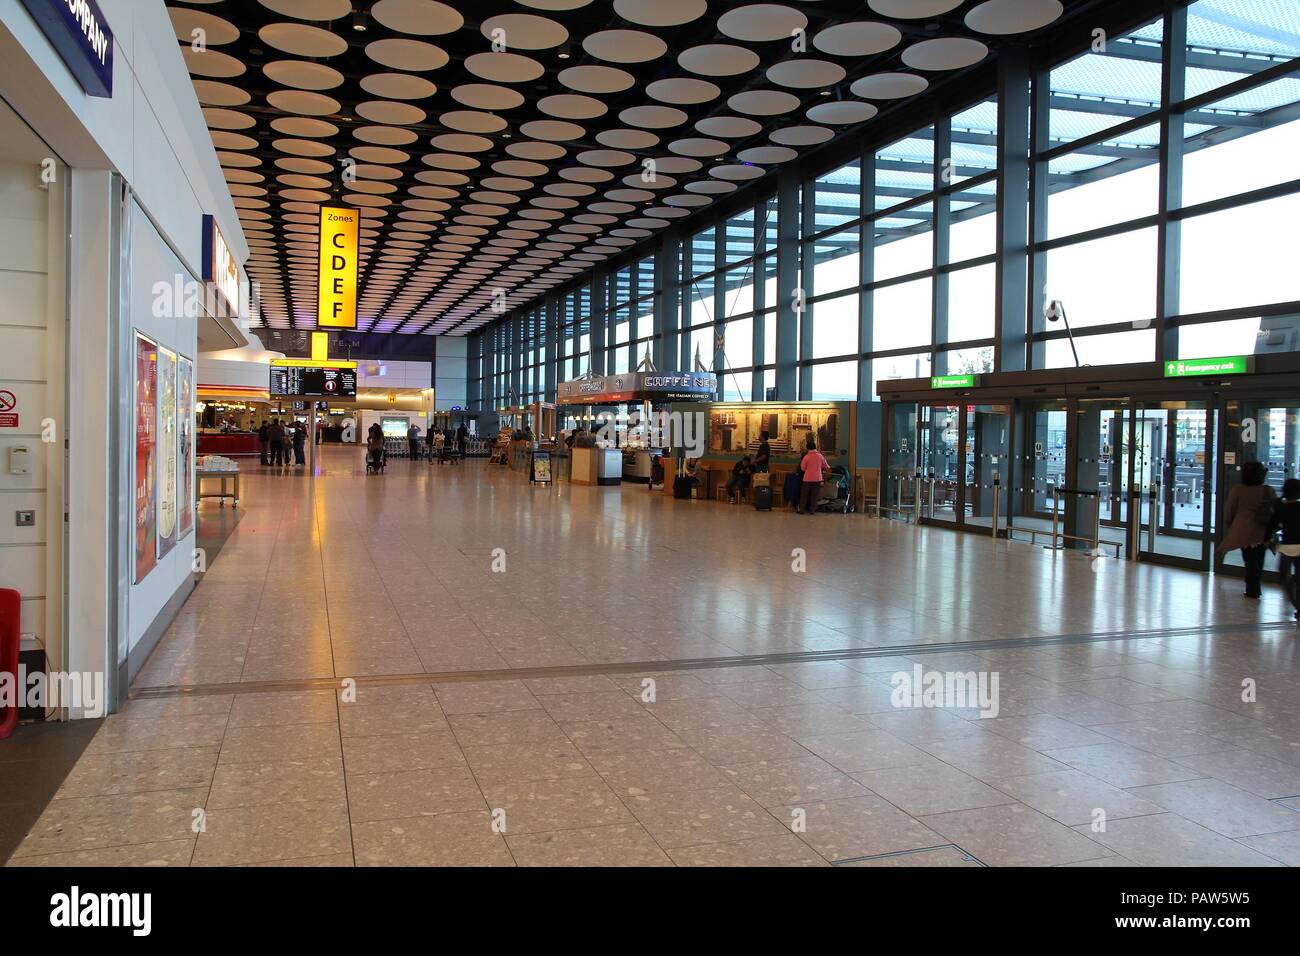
(80, 34)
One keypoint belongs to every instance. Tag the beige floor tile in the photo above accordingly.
(1283, 847)
(930, 788)
(522, 726)
(282, 832)
(448, 839)
(412, 793)
(1073, 798)
(1121, 765)
(778, 783)
(787, 850)
(621, 735)
(1260, 775)
(281, 708)
(691, 817)
(258, 745)
(123, 735)
(1015, 835)
(92, 823)
(937, 856)
(135, 771)
(859, 826)
(872, 750)
(1222, 808)
(1167, 839)
(519, 763)
(170, 853)
(657, 771)
(270, 783)
(567, 803)
(617, 845)
(376, 720)
(398, 752)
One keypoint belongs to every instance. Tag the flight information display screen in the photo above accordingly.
(322, 382)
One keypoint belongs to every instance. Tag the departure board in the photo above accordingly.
(322, 382)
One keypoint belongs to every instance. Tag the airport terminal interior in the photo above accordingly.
(412, 412)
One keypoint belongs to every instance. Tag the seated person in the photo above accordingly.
(741, 474)
(693, 470)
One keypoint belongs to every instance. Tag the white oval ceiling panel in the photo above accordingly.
(542, 151)
(572, 106)
(213, 93)
(301, 39)
(889, 86)
(504, 67)
(211, 63)
(763, 102)
(552, 130)
(682, 91)
(860, 38)
(303, 75)
(627, 139)
(215, 30)
(303, 126)
(945, 53)
(1005, 17)
(718, 59)
(737, 172)
(801, 135)
(398, 86)
(596, 79)
(696, 146)
(624, 46)
(389, 113)
(524, 31)
(728, 127)
(461, 143)
(653, 117)
(605, 157)
(842, 114)
(806, 74)
(310, 9)
(760, 22)
(417, 17)
(913, 9)
(304, 103)
(660, 13)
(767, 155)
(401, 54)
(487, 96)
(472, 121)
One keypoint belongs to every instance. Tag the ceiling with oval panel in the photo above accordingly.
(509, 147)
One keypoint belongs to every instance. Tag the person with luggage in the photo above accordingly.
(763, 457)
(1286, 519)
(1248, 520)
(462, 441)
(275, 436)
(813, 467)
(738, 483)
(264, 441)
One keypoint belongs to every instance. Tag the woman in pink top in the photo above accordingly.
(813, 465)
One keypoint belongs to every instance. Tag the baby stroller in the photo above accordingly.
(837, 491)
(376, 458)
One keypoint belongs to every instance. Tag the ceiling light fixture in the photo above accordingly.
(359, 21)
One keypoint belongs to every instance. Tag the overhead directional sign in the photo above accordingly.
(78, 31)
(1223, 365)
(340, 234)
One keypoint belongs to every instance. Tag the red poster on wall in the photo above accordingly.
(146, 452)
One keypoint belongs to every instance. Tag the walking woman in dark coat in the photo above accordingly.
(1249, 521)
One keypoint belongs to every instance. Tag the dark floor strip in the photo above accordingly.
(897, 853)
(703, 663)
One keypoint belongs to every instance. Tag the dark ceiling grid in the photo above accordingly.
(468, 308)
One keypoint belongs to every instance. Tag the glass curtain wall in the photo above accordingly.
(1164, 189)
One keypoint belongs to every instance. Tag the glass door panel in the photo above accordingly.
(1174, 466)
(939, 461)
(988, 435)
(1263, 431)
(1039, 463)
(898, 484)
(1101, 459)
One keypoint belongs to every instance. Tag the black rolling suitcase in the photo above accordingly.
(682, 487)
(762, 497)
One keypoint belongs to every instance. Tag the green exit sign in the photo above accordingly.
(1224, 365)
(954, 381)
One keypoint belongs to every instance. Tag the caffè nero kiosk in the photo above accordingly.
(1126, 461)
(642, 391)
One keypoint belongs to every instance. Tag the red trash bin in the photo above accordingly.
(10, 623)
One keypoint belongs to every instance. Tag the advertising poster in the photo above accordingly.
(185, 439)
(146, 451)
(166, 455)
(542, 467)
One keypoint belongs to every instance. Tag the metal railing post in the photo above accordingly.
(997, 496)
(1056, 507)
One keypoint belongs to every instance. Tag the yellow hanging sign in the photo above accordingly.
(340, 233)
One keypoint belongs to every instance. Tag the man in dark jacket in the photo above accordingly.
(763, 459)
(462, 440)
(264, 441)
(299, 443)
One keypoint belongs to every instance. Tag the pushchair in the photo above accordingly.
(837, 491)
(376, 459)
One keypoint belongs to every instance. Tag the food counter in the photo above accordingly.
(229, 444)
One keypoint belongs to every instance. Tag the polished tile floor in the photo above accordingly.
(444, 666)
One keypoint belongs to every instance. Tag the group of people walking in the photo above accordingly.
(282, 442)
(1258, 521)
